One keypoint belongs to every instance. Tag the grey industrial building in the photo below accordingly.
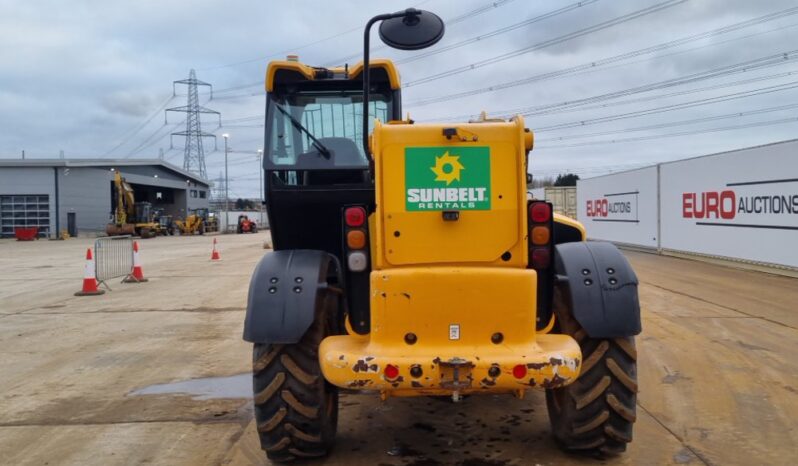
(76, 194)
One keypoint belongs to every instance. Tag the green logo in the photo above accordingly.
(447, 178)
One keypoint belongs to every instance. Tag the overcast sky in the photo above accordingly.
(85, 76)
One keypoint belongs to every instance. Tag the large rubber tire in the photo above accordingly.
(595, 414)
(296, 409)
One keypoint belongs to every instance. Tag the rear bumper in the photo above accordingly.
(354, 362)
(451, 329)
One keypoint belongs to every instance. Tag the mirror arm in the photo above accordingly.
(366, 82)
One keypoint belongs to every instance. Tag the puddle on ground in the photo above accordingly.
(206, 388)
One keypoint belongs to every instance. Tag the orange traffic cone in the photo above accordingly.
(215, 253)
(137, 276)
(89, 281)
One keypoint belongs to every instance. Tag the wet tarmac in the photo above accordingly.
(204, 388)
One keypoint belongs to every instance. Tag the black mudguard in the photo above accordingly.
(602, 288)
(285, 291)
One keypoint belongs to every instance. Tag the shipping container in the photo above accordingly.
(563, 198)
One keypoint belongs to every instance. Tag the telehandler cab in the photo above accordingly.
(407, 261)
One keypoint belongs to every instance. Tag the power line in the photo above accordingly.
(673, 123)
(628, 55)
(294, 49)
(557, 40)
(617, 58)
(240, 96)
(713, 87)
(284, 52)
(582, 32)
(449, 23)
(680, 106)
(134, 131)
(152, 139)
(594, 66)
(496, 32)
(141, 145)
(746, 66)
(242, 119)
(261, 125)
(679, 134)
(457, 19)
(589, 170)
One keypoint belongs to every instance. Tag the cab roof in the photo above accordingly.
(286, 72)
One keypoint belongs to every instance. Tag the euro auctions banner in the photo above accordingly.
(741, 204)
(621, 207)
(447, 178)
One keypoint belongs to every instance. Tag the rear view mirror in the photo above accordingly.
(414, 30)
(411, 29)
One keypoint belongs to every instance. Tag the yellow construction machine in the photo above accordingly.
(131, 217)
(198, 222)
(408, 262)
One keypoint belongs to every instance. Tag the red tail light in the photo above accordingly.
(391, 371)
(540, 212)
(355, 216)
(519, 371)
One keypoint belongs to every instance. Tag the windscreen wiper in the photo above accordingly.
(316, 143)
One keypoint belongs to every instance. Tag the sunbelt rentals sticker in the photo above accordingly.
(447, 178)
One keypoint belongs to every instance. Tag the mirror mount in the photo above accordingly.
(417, 29)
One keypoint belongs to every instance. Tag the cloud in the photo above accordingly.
(128, 103)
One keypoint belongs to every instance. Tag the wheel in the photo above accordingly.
(595, 414)
(296, 409)
(202, 229)
(144, 233)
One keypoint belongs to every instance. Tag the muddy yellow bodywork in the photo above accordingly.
(427, 302)
(453, 303)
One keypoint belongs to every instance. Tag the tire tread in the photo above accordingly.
(296, 410)
(595, 414)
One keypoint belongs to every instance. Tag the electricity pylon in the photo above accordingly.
(194, 154)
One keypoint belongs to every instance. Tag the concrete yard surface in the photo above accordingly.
(156, 373)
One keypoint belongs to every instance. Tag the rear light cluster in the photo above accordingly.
(356, 239)
(540, 225)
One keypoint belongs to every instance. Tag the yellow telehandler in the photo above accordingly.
(199, 221)
(408, 262)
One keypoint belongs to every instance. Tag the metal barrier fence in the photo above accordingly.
(114, 258)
